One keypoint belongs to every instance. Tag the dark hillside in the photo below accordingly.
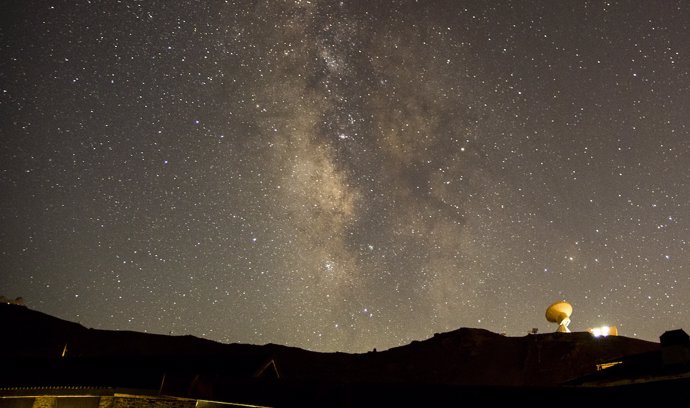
(475, 360)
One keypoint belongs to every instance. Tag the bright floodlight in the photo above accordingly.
(560, 312)
(604, 331)
(600, 331)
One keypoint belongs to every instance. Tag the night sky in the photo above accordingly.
(343, 176)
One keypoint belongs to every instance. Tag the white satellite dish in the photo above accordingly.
(560, 312)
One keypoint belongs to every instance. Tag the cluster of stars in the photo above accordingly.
(346, 176)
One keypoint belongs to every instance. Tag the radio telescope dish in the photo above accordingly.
(560, 312)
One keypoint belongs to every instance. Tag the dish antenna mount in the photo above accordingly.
(560, 312)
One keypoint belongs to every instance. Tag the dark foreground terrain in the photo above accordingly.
(458, 368)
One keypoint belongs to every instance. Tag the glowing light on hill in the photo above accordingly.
(604, 331)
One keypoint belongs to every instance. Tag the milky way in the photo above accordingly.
(342, 176)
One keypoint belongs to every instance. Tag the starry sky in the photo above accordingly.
(343, 176)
